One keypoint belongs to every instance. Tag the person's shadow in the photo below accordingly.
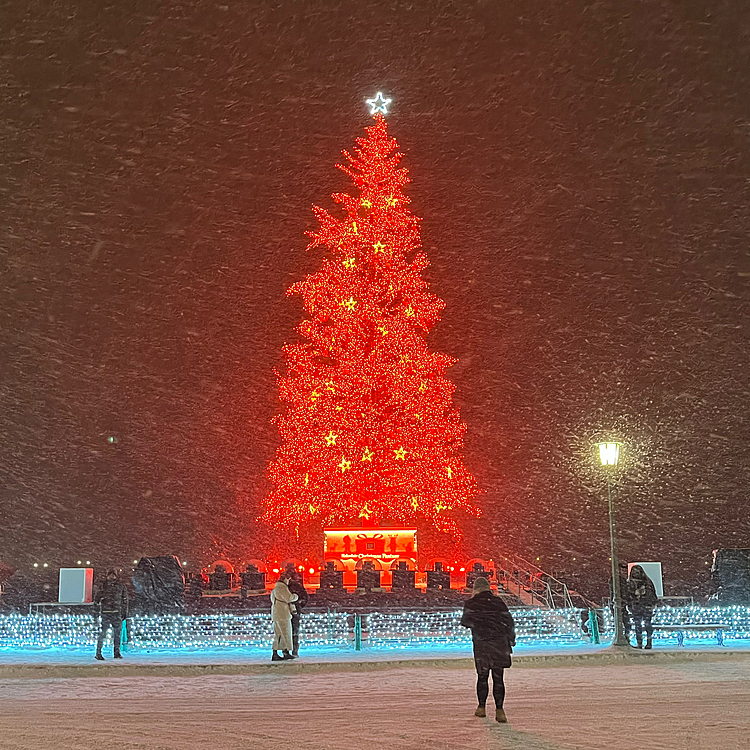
(505, 737)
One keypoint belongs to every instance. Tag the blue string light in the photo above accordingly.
(381, 629)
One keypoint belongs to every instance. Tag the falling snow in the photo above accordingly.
(582, 174)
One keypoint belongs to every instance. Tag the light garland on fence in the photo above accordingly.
(168, 631)
(379, 629)
(425, 628)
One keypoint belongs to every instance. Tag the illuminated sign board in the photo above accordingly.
(380, 543)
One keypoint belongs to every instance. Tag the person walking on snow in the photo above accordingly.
(493, 634)
(296, 587)
(282, 607)
(642, 602)
(111, 601)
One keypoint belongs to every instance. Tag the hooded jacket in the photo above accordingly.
(112, 598)
(492, 629)
(642, 591)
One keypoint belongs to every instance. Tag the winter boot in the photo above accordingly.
(287, 656)
(500, 716)
(276, 656)
(99, 657)
(118, 655)
(480, 711)
(639, 641)
(649, 644)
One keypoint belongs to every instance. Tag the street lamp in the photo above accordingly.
(609, 455)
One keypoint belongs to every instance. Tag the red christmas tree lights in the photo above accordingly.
(368, 431)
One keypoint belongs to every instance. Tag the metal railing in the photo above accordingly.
(531, 584)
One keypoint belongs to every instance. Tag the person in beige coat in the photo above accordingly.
(282, 603)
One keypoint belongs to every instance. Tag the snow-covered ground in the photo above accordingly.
(146, 656)
(681, 705)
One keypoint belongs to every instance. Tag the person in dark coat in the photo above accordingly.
(493, 633)
(642, 594)
(624, 598)
(296, 587)
(111, 602)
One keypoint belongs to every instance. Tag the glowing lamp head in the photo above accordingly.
(609, 453)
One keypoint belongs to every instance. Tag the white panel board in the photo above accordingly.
(76, 585)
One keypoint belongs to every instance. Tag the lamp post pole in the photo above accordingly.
(609, 454)
(620, 639)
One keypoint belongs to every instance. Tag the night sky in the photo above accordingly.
(583, 175)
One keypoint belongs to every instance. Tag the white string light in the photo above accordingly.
(383, 630)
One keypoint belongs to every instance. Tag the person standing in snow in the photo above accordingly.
(624, 598)
(643, 599)
(296, 587)
(282, 607)
(111, 603)
(493, 634)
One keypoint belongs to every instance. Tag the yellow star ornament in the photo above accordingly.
(331, 439)
(365, 512)
(345, 465)
(400, 454)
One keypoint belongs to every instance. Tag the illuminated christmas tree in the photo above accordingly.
(368, 431)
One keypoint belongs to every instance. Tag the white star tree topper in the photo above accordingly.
(379, 104)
